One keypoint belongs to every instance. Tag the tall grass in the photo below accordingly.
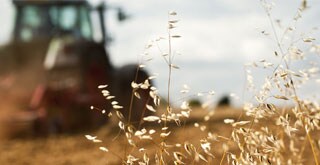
(264, 132)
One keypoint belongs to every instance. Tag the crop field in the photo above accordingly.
(76, 149)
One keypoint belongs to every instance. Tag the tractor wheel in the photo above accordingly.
(123, 77)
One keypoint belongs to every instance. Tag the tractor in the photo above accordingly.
(51, 69)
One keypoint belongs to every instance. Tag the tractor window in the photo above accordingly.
(36, 21)
(31, 22)
(85, 23)
(68, 18)
(71, 20)
(32, 16)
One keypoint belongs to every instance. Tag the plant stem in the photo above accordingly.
(169, 77)
(312, 148)
(132, 95)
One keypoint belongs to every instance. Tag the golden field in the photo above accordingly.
(76, 149)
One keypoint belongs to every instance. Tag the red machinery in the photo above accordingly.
(54, 64)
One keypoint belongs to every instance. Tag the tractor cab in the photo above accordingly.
(47, 19)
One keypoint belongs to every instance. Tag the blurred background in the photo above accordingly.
(39, 97)
(218, 38)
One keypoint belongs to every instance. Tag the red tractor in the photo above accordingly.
(54, 64)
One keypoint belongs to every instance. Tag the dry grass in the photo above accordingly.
(76, 149)
(263, 134)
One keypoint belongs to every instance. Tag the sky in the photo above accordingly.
(218, 38)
